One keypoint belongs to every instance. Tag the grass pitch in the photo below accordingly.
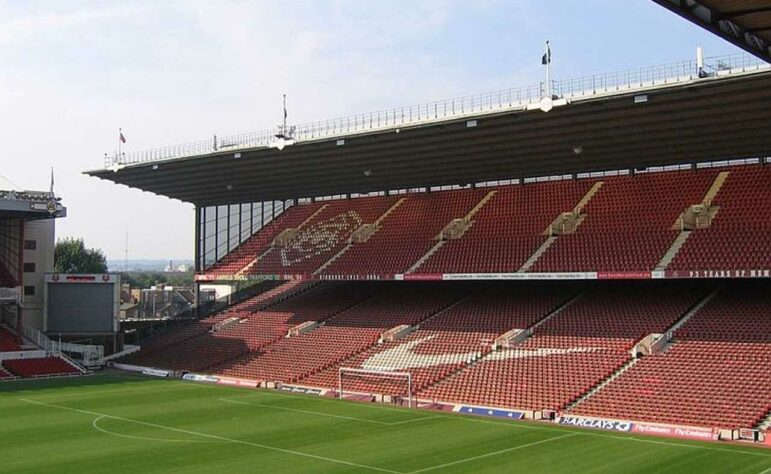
(124, 423)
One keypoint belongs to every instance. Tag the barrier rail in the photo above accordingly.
(91, 354)
(489, 102)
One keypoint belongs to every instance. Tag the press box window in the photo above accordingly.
(30, 268)
(30, 245)
(29, 291)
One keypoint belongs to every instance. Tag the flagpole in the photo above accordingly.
(120, 143)
(548, 71)
(284, 129)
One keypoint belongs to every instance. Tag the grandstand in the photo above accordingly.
(606, 262)
(26, 254)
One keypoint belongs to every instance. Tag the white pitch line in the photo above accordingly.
(495, 453)
(329, 415)
(143, 438)
(210, 436)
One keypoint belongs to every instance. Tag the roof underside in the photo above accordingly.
(745, 23)
(708, 120)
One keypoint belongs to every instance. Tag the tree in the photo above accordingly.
(72, 256)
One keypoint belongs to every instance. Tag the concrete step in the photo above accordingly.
(480, 204)
(427, 255)
(715, 188)
(555, 312)
(251, 264)
(390, 210)
(312, 216)
(765, 425)
(628, 365)
(673, 250)
(587, 197)
(696, 308)
(333, 258)
(537, 254)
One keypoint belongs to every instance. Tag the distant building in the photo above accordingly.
(163, 301)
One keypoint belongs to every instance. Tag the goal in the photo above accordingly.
(395, 384)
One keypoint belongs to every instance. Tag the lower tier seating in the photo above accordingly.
(38, 367)
(4, 374)
(694, 383)
(717, 373)
(346, 334)
(535, 379)
(8, 341)
(448, 341)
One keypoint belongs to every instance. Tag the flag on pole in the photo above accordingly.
(122, 138)
(546, 58)
(285, 109)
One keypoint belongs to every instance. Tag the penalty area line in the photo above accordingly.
(215, 437)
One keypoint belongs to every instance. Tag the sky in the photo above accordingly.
(166, 72)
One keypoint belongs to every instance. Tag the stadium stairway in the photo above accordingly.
(454, 230)
(691, 215)
(738, 238)
(765, 425)
(576, 216)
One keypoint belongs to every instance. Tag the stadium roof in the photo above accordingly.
(745, 23)
(722, 116)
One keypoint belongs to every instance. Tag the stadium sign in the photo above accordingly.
(156, 372)
(304, 390)
(494, 412)
(237, 382)
(200, 378)
(675, 431)
(598, 424)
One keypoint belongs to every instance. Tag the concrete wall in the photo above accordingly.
(42, 232)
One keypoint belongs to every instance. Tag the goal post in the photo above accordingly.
(349, 374)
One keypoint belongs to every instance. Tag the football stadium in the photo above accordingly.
(568, 277)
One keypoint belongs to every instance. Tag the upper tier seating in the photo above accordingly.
(407, 233)
(323, 236)
(628, 224)
(8, 341)
(450, 340)
(571, 352)
(38, 367)
(717, 374)
(740, 235)
(508, 229)
(345, 334)
(244, 254)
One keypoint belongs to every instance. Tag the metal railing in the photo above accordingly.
(90, 354)
(489, 102)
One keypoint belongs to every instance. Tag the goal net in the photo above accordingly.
(397, 385)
